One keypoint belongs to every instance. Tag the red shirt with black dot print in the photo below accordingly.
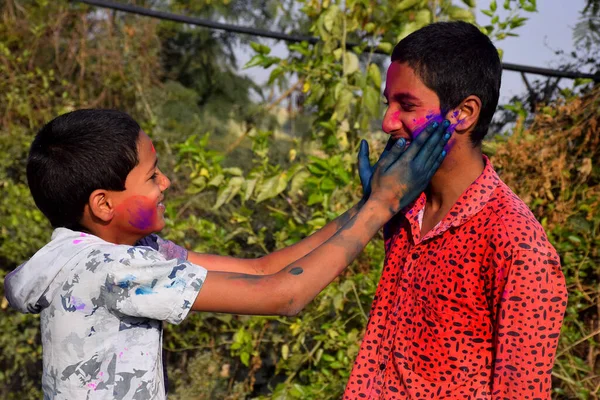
(472, 310)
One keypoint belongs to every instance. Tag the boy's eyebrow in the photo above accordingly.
(404, 96)
(153, 166)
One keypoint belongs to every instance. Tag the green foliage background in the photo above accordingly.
(253, 176)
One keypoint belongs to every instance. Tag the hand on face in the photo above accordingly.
(401, 174)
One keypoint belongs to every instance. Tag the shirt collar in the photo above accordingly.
(468, 204)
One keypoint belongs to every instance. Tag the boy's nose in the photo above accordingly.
(165, 182)
(391, 122)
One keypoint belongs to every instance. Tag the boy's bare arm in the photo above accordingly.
(276, 261)
(396, 182)
(289, 290)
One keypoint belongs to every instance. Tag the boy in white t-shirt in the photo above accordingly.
(105, 282)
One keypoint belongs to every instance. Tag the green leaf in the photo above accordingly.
(260, 48)
(329, 18)
(406, 4)
(370, 100)
(423, 17)
(254, 61)
(300, 48)
(230, 191)
(276, 73)
(314, 198)
(493, 6)
(245, 358)
(374, 74)
(298, 182)
(350, 63)
(337, 53)
(470, 3)
(407, 29)
(235, 171)
(272, 187)
(460, 14)
(369, 27)
(217, 180)
(328, 184)
(343, 104)
(488, 13)
(385, 46)
(250, 185)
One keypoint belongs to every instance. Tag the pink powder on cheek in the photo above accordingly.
(153, 149)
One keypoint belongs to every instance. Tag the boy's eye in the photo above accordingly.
(407, 106)
(154, 176)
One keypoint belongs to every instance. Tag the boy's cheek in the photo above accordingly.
(421, 123)
(139, 212)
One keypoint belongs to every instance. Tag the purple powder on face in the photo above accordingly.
(431, 117)
(141, 217)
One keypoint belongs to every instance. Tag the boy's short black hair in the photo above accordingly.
(455, 60)
(77, 153)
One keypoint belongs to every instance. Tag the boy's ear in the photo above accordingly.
(465, 116)
(100, 205)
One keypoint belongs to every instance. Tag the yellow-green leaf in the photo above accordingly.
(227, 194)
(374, 75)
(350, 63)
(406, 4)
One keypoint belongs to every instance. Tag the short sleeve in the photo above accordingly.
(527, 324)
(168, 249)
(141, 283)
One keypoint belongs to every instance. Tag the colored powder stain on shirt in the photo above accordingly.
(144, 290)
(126, 282)
(176, 283)
(77, 303)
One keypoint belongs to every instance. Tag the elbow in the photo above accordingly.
(290, 309)
(289, 303)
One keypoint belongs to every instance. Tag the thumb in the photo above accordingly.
(364, 165)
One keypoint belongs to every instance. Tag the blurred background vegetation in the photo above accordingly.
(257, 167)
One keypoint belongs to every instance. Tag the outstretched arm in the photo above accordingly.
(399, 178)
(276, 261)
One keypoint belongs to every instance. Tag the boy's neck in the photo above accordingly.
(106, 233)
(451, 181)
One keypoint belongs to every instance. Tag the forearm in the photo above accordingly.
(288, 291)
(313, 272)
(276, 261)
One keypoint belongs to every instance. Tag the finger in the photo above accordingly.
(390, 143)
(440, 146)
(421, 139)
(364, 165)
(431, 148)
(436, 164)
(392, 155)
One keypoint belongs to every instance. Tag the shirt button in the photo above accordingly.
(382, 366)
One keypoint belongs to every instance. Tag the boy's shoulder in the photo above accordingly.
(515, 222)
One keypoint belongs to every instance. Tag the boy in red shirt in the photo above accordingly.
(471, 298)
